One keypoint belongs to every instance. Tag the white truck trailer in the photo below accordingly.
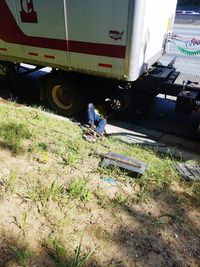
(117, 40)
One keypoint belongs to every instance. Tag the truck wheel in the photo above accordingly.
(63, 96)
(121, 100)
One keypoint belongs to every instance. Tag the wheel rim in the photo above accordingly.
(62, 97)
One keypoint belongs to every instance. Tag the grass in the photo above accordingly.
(22, 223)
(78, 260)
(22, 255)
(13, 135)
(120, 199)
(196, 191)
(53, 175)
(58, 253)
(9, 181)
(78, 189)
(42, 193)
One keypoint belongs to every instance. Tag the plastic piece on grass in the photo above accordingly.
(110, 180)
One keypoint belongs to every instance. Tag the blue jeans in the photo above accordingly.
(95, 119)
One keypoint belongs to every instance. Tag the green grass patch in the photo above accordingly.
(22, 255)
(42, 193)
(78, 189)
(13, 135)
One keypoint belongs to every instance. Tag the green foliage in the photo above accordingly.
(22, 255)
(78, 260)
(120, 200)
(59, 255)
(9, 181)
(22, 223)
(196, 192)
(160, 172)
(78, 189)
(57, 252)
(143, 193)
(43, 193)
(43, 146)
(13, 135)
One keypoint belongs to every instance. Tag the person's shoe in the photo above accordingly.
(98, 134)
(92, 126)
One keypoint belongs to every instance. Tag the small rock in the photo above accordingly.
(176, 236)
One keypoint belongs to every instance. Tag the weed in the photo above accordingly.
(63, 224)
(160, 221)
(13, 134)
(44, 157)
(78, 189)
(57, 252)
(56, 192)
(59, 255)
(9, 182)
(103, 200)
(79, 260)
(34, 194)
(180, 200)
(143, 193)
(22, 222)
(42, 146)
(72, 159)
(120, 200)
(175, 218)
(22, 256)
(160, 173)
(43, 194)
(196, 192)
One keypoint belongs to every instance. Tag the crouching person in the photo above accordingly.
(97, 116)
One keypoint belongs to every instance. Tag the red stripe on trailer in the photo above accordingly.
(49, 56)
(105, 65)
(33, 54)
(13, 34)
(107, 50)
(3, 49)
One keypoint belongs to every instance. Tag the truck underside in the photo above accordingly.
(67, 92)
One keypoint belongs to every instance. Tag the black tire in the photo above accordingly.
(63, 96)
(121, 100)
